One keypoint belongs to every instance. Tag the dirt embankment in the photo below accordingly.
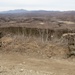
(34, 51)
(34, 46)
(36, 42)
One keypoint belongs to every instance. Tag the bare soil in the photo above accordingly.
(20, 64)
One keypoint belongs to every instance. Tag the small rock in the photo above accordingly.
(21, 70)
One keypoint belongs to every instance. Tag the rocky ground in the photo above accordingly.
(14, 63)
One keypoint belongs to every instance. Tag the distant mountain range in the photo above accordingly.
(24, 11)
(15, 11)
(33, 11)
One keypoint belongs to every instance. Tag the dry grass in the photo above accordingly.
(33, 46)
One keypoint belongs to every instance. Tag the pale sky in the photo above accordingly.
(62, 5)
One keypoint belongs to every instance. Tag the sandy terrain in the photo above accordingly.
(20, 64)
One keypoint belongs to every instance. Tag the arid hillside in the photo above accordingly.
(37, 43)
(45, 27)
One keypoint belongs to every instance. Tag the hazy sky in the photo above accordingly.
(37, 4)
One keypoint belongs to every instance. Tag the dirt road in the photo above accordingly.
(20, 64)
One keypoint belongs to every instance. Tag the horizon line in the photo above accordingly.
(36, 10)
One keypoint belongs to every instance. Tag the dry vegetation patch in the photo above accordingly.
(33, 47)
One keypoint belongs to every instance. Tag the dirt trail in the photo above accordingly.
(20, 64)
